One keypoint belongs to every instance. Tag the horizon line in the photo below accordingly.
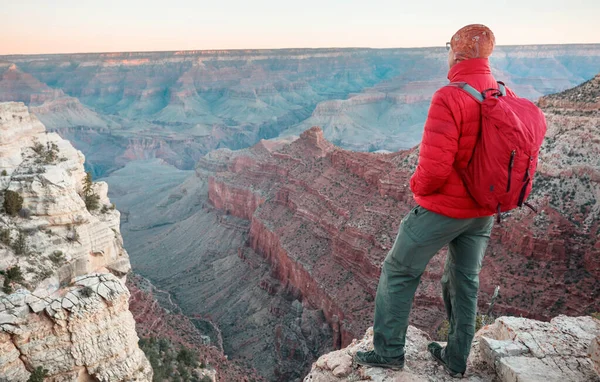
(274, 49)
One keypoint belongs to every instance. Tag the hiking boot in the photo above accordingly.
(436, 351)
(370, 358)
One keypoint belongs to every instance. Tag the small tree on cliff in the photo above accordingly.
(92, 201)
(13, 202)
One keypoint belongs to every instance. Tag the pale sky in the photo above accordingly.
(69, 26)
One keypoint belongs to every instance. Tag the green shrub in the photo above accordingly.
(38, 375)
(168, 362)
(4, 173)
(47, 154)
(13, 202)
(20, 245)
(187, 357)
(480, 321)
(57, 257)
(442, 332)
(44, 274)
(596, 315)
(92, 201)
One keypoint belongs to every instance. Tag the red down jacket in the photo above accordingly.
(451, 131)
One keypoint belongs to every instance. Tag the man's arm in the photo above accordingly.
(438, 148)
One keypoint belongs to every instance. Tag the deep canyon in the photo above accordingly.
(278, 241)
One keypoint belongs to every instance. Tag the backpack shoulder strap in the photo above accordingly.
(469, 89)
(479, 96)
(502, 88)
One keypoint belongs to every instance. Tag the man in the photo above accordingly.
(446, 214)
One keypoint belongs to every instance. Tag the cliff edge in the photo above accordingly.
(63, 302)
(510, 350)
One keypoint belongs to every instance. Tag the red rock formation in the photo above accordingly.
(325, 218)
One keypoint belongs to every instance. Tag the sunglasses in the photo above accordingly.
(448, 46)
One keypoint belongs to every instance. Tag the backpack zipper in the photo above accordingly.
(510, 166)
(526, 179)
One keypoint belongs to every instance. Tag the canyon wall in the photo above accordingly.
(63, 305)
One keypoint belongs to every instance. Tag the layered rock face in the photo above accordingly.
(79, 333)
(510, 350)
(64, 306)
(177, 106)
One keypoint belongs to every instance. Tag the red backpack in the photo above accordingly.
(500, 173)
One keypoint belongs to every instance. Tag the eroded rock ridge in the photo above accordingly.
(63, 305)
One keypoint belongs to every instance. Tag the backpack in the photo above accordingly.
(499, 175)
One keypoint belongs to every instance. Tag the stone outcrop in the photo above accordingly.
(510, 350)
(519, 349)
(81, 332)
(63, 305)
(47, 172)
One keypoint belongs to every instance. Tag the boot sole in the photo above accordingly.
(384, 365)
(451, 373)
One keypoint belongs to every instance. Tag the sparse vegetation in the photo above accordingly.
(44, 273)
(170, 363)
(20, 245)
(11, 275)
(47, 154)
(442, 332)
(596, 315)
(38, 375)
(480, 321)
(13, 202)
(87, 292)
(4, 173)
(92, 201)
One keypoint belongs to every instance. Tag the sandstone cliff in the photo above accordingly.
(510, 350)
(63, 305)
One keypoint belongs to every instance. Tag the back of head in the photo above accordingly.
(472, 41)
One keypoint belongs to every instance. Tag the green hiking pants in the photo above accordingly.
(421, 235)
